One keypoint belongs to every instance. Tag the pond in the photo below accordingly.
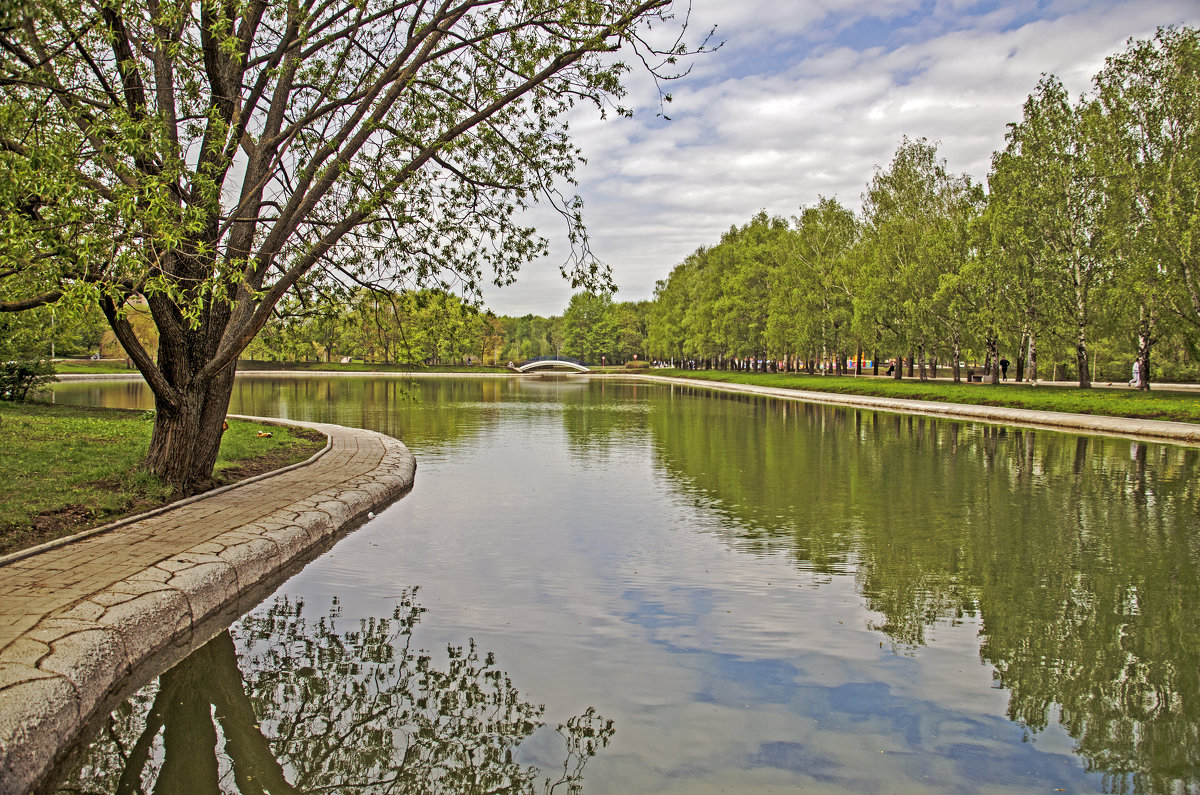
(611, 587)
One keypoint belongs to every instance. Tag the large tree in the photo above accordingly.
(589, 327)
(1056, 212)
(1149, 97)
(206, 158)
(811, 297)
(912, 214)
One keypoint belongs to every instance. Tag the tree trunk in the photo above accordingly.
(993, 358)
(1081, 358)
(956, 349)
(187, 438)
(921, 363)
(1081, 322)
(912, 363)
(1145, 343)
(898, 368)
(1032, 357)
(1021, 359)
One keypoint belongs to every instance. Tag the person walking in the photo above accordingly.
(1137, 373)
(1004, 369)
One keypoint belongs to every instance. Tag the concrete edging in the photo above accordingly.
(76, 663)
(1156, 430)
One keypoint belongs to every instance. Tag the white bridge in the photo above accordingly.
(547, 362)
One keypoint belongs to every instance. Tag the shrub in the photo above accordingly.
(637, 364)
(18, 379)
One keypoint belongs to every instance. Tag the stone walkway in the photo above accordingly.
(77, 619)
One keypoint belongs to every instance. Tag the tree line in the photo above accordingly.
(1085, 239)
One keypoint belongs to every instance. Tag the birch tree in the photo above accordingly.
(1149, 96)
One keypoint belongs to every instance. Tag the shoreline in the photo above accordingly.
(1183, 433)
(91, 620)
(1094, 424)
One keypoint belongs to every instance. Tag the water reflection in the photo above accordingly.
(767, 594)
(1078, 555)
(281, 704)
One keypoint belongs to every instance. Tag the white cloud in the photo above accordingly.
(808, 102)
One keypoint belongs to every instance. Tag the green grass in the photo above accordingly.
(365, 367)
(1156, 405)
(117, 366)
(103, 366)
(67, 468)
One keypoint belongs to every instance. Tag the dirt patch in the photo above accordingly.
(256, 466)
(47, 526)
(269, 462)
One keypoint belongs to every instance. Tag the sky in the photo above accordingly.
(807, 98)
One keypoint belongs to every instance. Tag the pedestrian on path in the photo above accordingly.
(1004, 369)
(1137, 373)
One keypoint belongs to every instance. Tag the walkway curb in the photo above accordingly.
(1156, 430)
(77, 661)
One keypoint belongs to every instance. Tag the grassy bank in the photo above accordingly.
(1175, 406)
(68, 468)
(117, 366)
(364, 367)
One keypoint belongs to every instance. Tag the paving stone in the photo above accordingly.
(85, 611)
(13, 672)
(147, 622)
(206, 586)
(291, 540)
(31, 738)
(252, 560)
(24, 651)
(92, 661)
(51, 629)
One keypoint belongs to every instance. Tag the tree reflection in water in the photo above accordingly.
(318, 710)
(1078, 557)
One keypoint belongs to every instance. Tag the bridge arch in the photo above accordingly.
(546, 362)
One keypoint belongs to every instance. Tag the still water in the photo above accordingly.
(614, 587)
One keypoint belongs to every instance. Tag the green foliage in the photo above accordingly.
(915, 216)
(20, 379)
(1174, 406)
(1148, 112)
(589, 327)
(416, 328)
(813, 283)
(1085, 243)
(45, 332)
(210, 162)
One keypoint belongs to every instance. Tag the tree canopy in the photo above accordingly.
(209, 158)
(1084, 240)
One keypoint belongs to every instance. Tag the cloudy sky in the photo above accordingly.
(806, 98)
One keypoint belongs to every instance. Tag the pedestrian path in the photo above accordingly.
(77, 618)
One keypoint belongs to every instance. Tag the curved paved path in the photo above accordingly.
(77, 619)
